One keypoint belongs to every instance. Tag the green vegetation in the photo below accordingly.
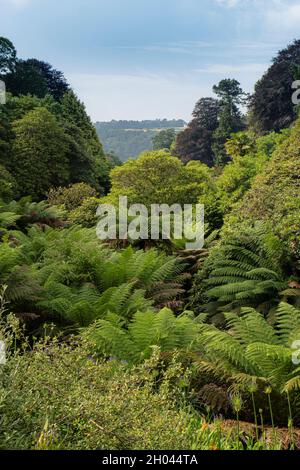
(47, 130)
(164, 139)
(271, 105)
(214, 120)
(144, 344)
(83, 403)
(243, 270)
(274, 194)
(145, 330)
(158, 178)
(127, 139)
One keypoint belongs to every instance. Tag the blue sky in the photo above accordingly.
(146, 59)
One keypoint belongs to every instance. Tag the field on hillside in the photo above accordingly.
(129, 142)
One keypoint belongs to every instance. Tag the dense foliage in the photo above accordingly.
(274, 194)
(272, 107)
(159, 178)
(214, 120)
(45, 127)
(132, 345)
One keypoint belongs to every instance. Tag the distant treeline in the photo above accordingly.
(128, 139)
(147, 124)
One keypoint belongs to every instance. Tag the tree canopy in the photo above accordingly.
(8, 56)
(39, 158)
(195, 142)
(271, 106)
(164, 139)
(214, 120)
(37, 78)
(158, 178)
(36, 90)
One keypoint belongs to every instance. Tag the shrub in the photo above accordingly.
(72, 401)
(7, 184)
(274, 195)
(71, 197)
(86, 213)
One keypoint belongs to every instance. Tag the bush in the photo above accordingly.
(86, 213)
(73, 401)
(71, 197)
(250, 155)
(158, 178)
(274, 194)
(7, 184)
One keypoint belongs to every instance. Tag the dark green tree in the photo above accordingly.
(37, 78)
(84, 152)
(83, 166)
(56, 83)
(164, 139)
(74, 112)
(8, 55)
(230, 92)
(271, 106)
(6, 135)
(7, 184)
(195, 142)
(205, 114)
(17, 106)
(74, 115)
(39, 158)
(230, 118)
(26, 79)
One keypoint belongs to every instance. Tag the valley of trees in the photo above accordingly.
(132, 345)
(128, 139)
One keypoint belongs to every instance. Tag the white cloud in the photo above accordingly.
(280, 17)
(221, 69)
(284, 17)
(14, 3)
(229, 3)
(180, 47)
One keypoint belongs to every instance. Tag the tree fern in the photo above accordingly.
(288, 322)
(146, 330)
(243, 270)
(78, 279)
(252, 351)
(25, 213)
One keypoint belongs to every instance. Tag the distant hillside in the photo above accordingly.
(129, 138)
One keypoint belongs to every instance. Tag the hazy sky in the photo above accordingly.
(146, 59)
